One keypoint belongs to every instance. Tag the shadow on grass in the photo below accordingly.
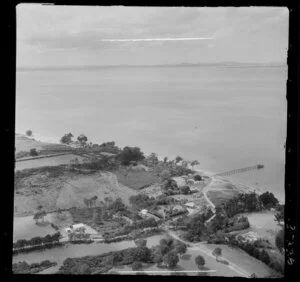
(223, 261)
(186, 257)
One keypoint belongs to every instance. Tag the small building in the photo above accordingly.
(81, 227)
(180, 181)
(190, 205)
(249, 237)
(145, 214)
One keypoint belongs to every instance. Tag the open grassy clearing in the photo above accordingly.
(221, 191)
(51, 161)
(56, 187)
(23, 143)
(243, 260)
(136, 179)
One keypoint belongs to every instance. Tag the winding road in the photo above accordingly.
(201, 245)
(202, 248)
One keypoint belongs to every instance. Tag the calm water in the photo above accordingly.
(225, 117)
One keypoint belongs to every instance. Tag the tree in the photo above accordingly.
(82, 139)
(152, 159)
(181, 248)
(168, 186)
(131, 154)
(67, 138)
(200, 261)
(268, 199)
(29, 133)
(253, 275)
(117, 205)
(165, 159)
(264, 257)
(137, 266)
(279, 215)
(165, 175)
(193, 163)
(279, 240)
(197, 177)
(178, 159)
(217, 252)
(171, 259)
(185, 190)
(33, 152)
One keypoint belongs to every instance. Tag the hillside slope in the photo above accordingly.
(57, 188)
(24, 143)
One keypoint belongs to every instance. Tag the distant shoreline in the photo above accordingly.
(95, 67)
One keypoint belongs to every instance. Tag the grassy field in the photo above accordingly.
(136, 179)
(55, 188)
(23, 143)
(50, 161)
(221, 191)
(243, 260)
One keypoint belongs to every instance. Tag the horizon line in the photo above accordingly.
(149, 65)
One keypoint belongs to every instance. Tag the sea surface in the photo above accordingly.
(225, 117)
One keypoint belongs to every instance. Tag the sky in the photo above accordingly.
(66, 36)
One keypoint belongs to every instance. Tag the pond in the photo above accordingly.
(59, 254)
(26, 228)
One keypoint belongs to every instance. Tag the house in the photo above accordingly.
(190, 205)
(249, 237)
(81, 228)
(180, 181)
(146, 214)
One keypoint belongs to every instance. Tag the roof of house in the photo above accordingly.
(190, 204)
(180, 181)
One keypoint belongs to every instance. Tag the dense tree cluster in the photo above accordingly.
(25, 268)
(196, 229)
(37, 241)
(169, 187)
(268, 200)
(247, 202)
(262, 250)
(67, 138)
(33, 152)
(279, 215)
(131, 154)
(167, 252)
(279, 240)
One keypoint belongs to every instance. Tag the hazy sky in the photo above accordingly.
(87, 35)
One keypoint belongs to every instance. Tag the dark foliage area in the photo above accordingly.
(37, 241)
(25, 268)
(33, 152)
(268, 200)
(131, 154)
(262, 250)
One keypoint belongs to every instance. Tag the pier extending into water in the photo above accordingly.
(240, 170)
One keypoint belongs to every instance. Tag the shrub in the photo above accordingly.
(171, 259)
(29, 133)
(264, 257)
(33, 152)
(197, 177)
(200, 261)
(268, 199)
(137, 266)
(131, 154)
(67, 138)
(279, 240)
(185, 190)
